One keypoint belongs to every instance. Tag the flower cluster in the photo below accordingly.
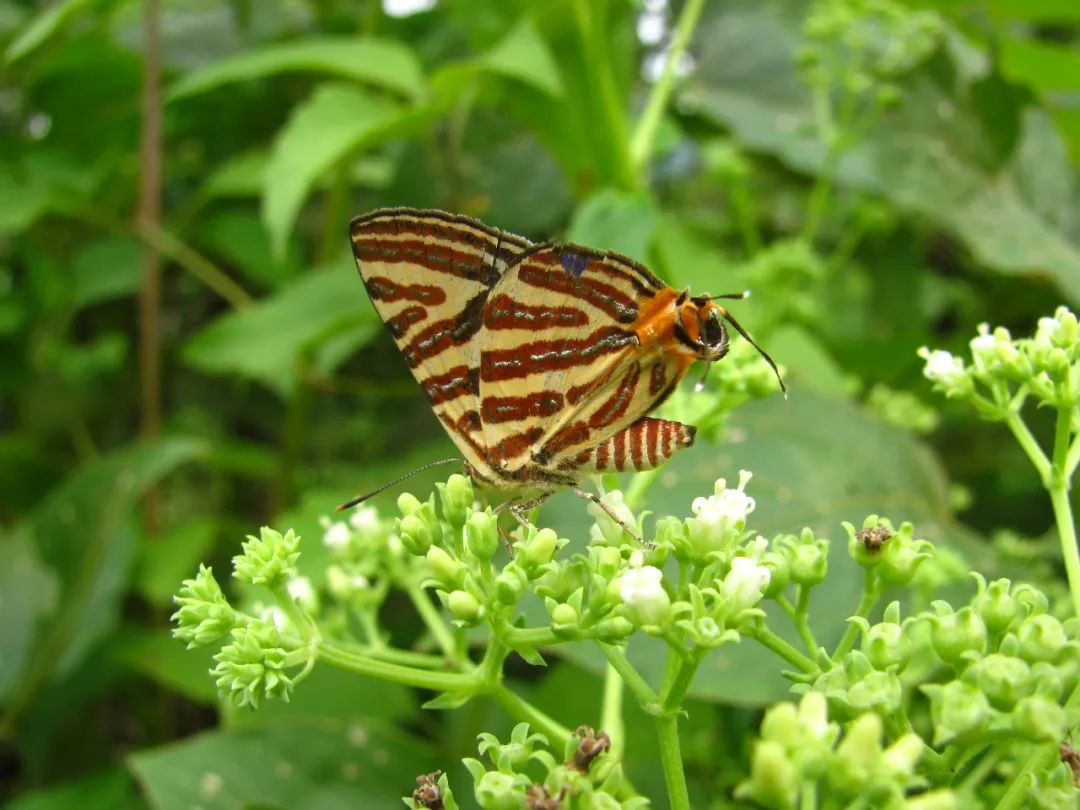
(584, 776)
(800, 750)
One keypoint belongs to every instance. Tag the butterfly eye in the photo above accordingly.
(713, 333)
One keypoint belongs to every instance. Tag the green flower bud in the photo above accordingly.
(415, 534)
(886, 644)
(807, 556)
(1039, 720)
(540, 548)
(997, 607)
(613, 629)
(871, 690)
(499, 791)
(204, 615)
(902, 556)
(779, 573)
(408, 504)
(860, 752)
(510, 583)
(955, 634)
(1002, 678)
(254, 666)
(564, 619)
(670, 534)
(866, 545)
(268, 559)
(774, 779)
(943, 799)
(902, 756)
(1042, 638)
(445, 569)
(463, 606)
(457, 499)
(482, 533)
(606, 561)
(955, 708)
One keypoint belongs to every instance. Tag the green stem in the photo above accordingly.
(435, 624)
(676, 689)
(767, 638)
(1072, 458)
(646, 696)
(520, 709)
(808, 795)
(870, 595)
(634, 495)
(667, 729)
(1029, 445)
(800, 618)
(339, 656)
(533, 636)
(1070, 554)
(611, 719)
(642, 141)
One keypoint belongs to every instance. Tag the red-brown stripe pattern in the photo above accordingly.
(552, 355)
(645, 445)
(494, 410)
(504, 312)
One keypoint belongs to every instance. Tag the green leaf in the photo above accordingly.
(938, 155)
(43, 26)
(21, 202)
(31, 593)
(167, 560)
(164, 660)
(112, 788)
(615, 220)
(105, 270)
(316, 764)
(82, 531)
(524, 55)
(1046, 66)
(816, 461)
(378, 62)
(265, 341)
(334, 123)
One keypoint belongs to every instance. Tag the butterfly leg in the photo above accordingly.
(630, 530)
(517, 510)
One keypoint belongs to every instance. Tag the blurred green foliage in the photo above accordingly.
(950, 199)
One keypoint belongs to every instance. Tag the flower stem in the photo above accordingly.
(645, 132)
(671, 761)
(611, 719)
(1030, 446)
(870, 595)
(767, 638)
(339, 656)
(1070, 554)
(520, 709)
(435, 624)
(644, 693)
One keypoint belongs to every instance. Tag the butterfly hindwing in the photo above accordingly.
(565, 363)
(429, 275)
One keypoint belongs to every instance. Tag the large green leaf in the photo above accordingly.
(945, 153)
(112, 789)
(316, 764)
(524, 55)
(43, 26)
(383, 63)
(82, 532)
(265, 341)
(816, 462)
(331, 125)
(615, 220)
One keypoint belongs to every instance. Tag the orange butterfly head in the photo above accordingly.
(699, 325)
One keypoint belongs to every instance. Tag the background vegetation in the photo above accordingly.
(170, 381)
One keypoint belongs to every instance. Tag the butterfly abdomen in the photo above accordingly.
(645, 445)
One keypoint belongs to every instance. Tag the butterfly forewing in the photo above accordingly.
(429, 275)
(565, 363)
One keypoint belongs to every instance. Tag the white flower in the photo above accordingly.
(745, 583)
(336, 535)
(643, 593)
(300, 590)
(365, 519)
(725, 511)
(942, 367)
(606, 530)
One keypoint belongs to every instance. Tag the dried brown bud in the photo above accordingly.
(873, 537)
(540, 798)
(1071, 757)
(592, 745)
(428, 795)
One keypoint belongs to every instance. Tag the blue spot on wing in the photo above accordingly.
(574, 263)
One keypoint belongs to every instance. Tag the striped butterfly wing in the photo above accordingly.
(567, 360)
(429, 274)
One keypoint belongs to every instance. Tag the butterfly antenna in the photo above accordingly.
(739, 296)
(761, 351)
(359, 499)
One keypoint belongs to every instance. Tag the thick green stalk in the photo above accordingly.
(645, 132)
(520, 709)
(435, 624)
(671, 761)
(767, 638)
(339, 656)
(870, 595)
(611, 719)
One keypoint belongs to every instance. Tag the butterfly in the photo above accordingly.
(541, 361)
